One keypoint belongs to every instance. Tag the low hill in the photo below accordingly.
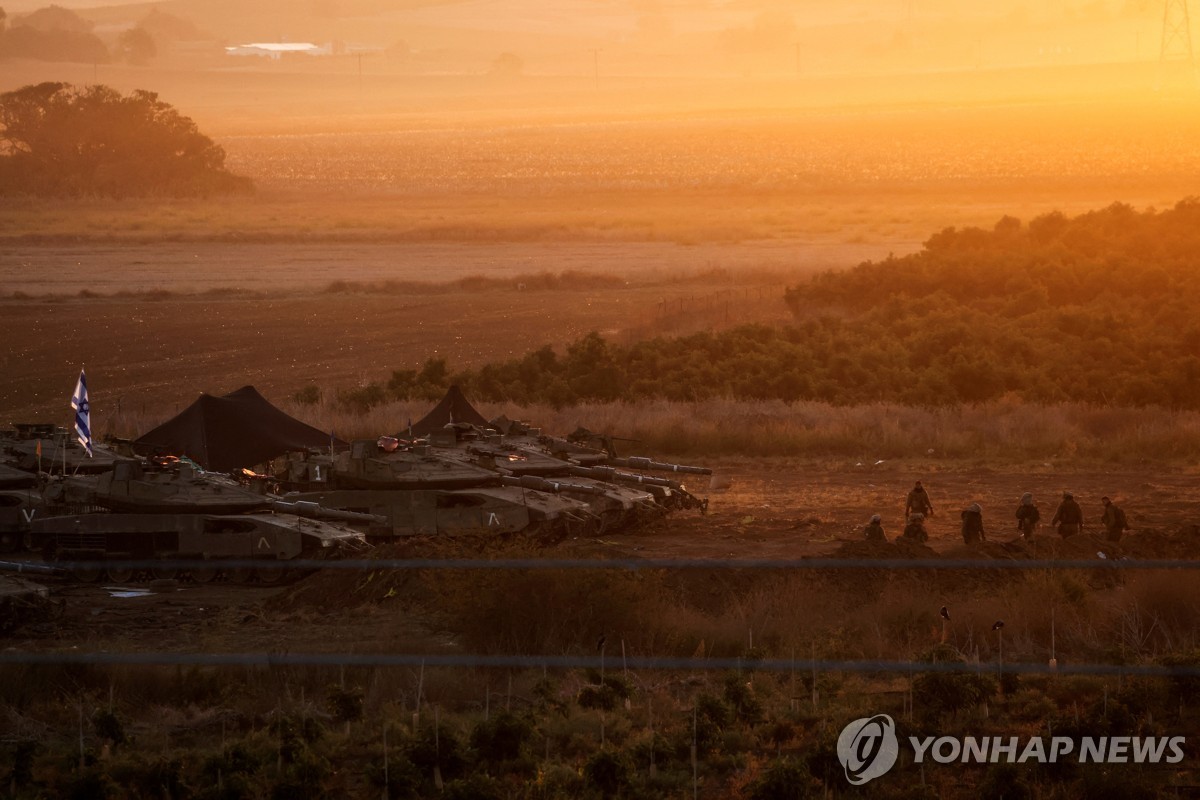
(1095, 309)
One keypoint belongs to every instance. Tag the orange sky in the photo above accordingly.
(669, 37)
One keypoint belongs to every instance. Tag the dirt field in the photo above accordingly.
(773, 509)
(159, 322)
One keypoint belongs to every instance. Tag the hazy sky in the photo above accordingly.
(758, 36)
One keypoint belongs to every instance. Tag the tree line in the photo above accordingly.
(55, 33)
(1097, 308)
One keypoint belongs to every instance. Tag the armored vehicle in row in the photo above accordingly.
(106, 542)
(453, 471)
(174, 512)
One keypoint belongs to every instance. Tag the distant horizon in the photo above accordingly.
(750, 39)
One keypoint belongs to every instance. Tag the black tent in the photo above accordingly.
(240, 429)
(454, 407)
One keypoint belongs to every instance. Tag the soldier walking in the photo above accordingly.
(1114, 520)
(1068, 517)
(918, 502)
(1028, 515)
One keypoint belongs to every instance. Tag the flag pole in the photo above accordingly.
(83, 417)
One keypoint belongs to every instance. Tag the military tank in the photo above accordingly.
(501, 510)
(615, 505)
(137, 512)
(20, 501)
(580, 460)
(45, 448)
(420, 491)
(465, 479)
(453, 471)
(212, 538)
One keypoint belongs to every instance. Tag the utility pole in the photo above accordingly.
(1176, 62)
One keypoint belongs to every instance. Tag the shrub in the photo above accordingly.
(608, 771)
(501, 738)
(784, 780)
(308, 396)
(346, 704)
(109, 726)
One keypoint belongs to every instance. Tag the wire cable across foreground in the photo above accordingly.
(288, 659)
(628, 564)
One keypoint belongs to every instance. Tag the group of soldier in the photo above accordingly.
(1068, 519)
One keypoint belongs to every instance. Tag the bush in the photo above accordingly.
(109, 726)
(501, 738)
(308, 396)
(346, 703)
(608, 771)
(784, 780)
(91, 785)
(1004, 782)
(439, 748)
(474, 787)
(949, 692)
(606, 694)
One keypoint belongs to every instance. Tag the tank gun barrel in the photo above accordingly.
(544, 485)
(567, 446)
(37, 569)
(307, 508)
(614, 475)
(639, 462)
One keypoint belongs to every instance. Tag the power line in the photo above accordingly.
(629, 564)
(10, 657)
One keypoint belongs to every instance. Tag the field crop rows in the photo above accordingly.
(760, 154)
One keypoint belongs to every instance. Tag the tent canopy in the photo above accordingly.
(454, 407)
(240, 429)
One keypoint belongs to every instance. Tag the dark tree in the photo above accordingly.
(58, 140)
(166, 27)
(55, 18)
(136, 46)
(54, 44)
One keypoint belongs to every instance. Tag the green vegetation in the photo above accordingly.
(59, 140)
(1097, 309)
(199, 732)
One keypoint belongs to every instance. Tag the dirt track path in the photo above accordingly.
(782, 509)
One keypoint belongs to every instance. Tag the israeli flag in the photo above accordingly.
(83, 414)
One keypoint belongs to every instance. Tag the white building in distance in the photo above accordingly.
(277, 50)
